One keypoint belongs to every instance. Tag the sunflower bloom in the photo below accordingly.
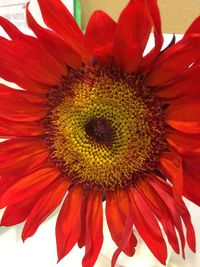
(97, 119)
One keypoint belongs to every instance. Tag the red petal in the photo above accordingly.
(125, 239)
(191, 184)
(8, 94)
(161, 211)
(19, 110)
(177, 212)
(190, 233)
(81, 241)
(32, 49)
(68, 223)
(176, 59)
(32, 60)
(18, 156)
(194, 27)
(188, 83)
(154, 15)
(183, 142)
(52, 42)
(172, 164)
(44, 206)
(29, 185)
(184, 115)
(130, 43)
(94, 229)
(13, 32)
(15, 76)
(147, 226)
(56, 16)
(117, 222)
(99, 36)
(17, 213)
(10, 129)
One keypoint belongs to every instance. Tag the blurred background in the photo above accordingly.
(176, 14)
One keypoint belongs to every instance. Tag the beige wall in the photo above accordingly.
(176, 14)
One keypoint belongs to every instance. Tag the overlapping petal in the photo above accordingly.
(116, 219)
(72, 33)
(44, 206)
(99, 36)
(28, 185)
(129, 43)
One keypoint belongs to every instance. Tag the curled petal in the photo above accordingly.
(116, 219)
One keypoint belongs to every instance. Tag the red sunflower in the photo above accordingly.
(99, 120)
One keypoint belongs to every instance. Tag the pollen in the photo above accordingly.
(104, 127)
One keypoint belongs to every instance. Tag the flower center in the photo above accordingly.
(100, 131)
(105, 128)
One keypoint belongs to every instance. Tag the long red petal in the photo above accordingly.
(68, 222)
(176, 59)
(154, 15)
(177, 212)
(129, 43)
(17, 213)
(117, 222)
(29, 185)
(70, 33)
(20, 155)
(184, 142)
(11, 129)
(99, 36)
(187, 84)
(147, 226)
(184, 115)
(8, 94)
(94, 229)
(160, 209)
(44, 206)
(21, 111)
(22, 80)
(32, 60)
(191, 169)
(173, 170)
(52, 42)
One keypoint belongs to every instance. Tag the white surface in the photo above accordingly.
(14, 10)
(40, 250)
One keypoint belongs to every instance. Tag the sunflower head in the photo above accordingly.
(105, 127)
(99, 119)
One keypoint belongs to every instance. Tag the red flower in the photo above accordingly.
(101, 121)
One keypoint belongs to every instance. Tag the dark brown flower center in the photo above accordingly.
(100, 131)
